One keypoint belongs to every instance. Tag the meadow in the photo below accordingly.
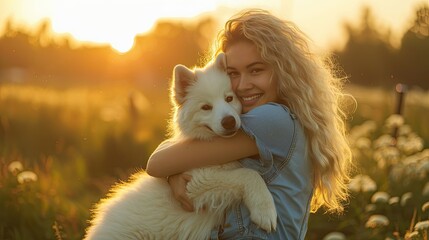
(62, 148)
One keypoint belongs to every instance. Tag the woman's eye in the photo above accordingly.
(229, 99)
(256, 70)
(206, 107)
(232, 74)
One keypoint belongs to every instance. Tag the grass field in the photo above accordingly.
(62, 148)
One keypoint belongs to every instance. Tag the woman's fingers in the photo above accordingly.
(187, 205)
(178, 184)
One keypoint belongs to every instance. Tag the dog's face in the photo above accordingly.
(205, 104)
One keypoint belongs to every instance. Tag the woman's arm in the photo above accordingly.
(171, 159)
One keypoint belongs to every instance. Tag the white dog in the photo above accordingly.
(144, 208)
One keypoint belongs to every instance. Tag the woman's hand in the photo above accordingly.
(178, 184)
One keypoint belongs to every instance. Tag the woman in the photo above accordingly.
(293, 129)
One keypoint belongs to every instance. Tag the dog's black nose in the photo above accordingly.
(228, 122)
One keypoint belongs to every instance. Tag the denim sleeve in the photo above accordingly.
(271, 126)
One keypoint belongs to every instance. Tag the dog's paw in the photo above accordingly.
(265, 216)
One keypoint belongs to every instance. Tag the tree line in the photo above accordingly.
(368, 57)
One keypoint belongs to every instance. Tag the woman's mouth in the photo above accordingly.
(250, 100)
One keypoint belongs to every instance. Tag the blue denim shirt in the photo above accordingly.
(286, 169)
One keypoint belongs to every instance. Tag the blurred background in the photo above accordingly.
(84, 102)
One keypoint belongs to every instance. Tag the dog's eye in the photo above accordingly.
(206, 107)
(229, 99)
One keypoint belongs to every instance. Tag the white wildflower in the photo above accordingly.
(15, 167)
(422, 225)
(363, 130)
(363, 143)
(362, 183)
(384, 141)
(387, 156)
(27, 176)
(394, 200)
(425, 206)
(406, 198)
(335, 236)
(369, 126)
(412, 159)
(376, 221)
(411, 145)
(394, 121)
(412, 235)
(380, 197)
(404, 130)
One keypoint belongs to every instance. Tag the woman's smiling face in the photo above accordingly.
(251, 78)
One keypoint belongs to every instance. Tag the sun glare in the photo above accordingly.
(117, 22)
(122, 45)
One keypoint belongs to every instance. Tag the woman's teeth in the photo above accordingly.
(251, 97)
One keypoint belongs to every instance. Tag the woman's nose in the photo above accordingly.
(244, 83)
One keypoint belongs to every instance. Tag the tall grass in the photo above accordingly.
(62, 148)
(78, 142)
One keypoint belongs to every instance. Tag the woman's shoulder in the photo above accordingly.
(269, 119)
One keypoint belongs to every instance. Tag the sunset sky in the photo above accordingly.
(117, 21)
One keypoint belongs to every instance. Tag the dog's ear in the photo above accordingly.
(183, 77)
(220, 61)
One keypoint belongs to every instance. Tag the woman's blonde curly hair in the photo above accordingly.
(308, 86)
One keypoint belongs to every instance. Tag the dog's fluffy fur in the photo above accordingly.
(144, 208)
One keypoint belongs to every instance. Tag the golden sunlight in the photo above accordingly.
(117, 22)
(122, 45)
